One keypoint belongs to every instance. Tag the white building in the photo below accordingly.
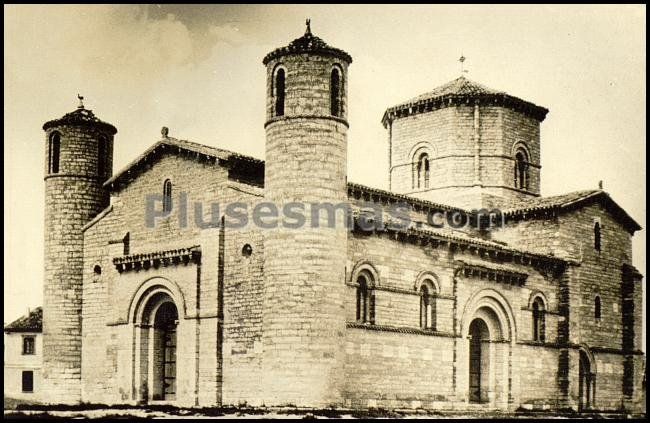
(23, 356)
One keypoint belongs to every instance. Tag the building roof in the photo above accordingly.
(191, 149)
(571, 201)
(308, 43)
(462, 91)
(33, 322)
(466, 239)
(81, 117)
(551, 201)
(473, 244)
(459, 86)
(354, 188)
(200, 151)
(523, 209)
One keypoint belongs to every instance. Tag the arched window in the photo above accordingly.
(521, 170)
(597, 236)
(246, 250)
(102, 149)
(54, 152)
(167, 196)
(335, 93)
(280, 89)
(365, 300)
(422, 171)
(597, 307)
(539, 320)
(427, 306)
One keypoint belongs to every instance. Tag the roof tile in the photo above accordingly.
(33, 322)
(459, 86)
(459, 91)
(219, 153)
(548, 202)
(308, 43)
(80, 117)
(566, 201)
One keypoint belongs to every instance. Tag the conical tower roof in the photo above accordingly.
(308, 43)
(80, 117)
(463, 91)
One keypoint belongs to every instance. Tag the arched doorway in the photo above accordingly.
(164, 354)
(155, 347)
(479, 361)
(586, 382)
(486, 356)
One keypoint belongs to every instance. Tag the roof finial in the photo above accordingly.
(600, 184)
(462, 60)
(308, 30)
(81, 101)
(165, 132)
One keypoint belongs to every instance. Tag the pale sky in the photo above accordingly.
(198, 70)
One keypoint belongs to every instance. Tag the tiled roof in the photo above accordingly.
(308, 43)
(208, 150)
(471, 242)
(173, 144)
(552, 201)
(80, 117)
(455, 236)
(569, 201)
(523, 208)
(424, 204)
(459, 86)
(33, 322)
(460, 91)
(462, 237)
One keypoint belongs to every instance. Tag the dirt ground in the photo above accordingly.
(16, 409)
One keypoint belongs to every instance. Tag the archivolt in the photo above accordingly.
(150, 288)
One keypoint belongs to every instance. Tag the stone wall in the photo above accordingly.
(304, 268)
(99, 365)
(394, 363)
(448, 136)
(571, 236)
(73, 196)
(242, 304)
(307, 85)
(214, 320)
(420, 375)
(428, 368)
(599, 273)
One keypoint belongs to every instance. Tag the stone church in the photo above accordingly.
(543, 311)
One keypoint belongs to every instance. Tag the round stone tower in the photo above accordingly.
(78, 159)
(306, 159)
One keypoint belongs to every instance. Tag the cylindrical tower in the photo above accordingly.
(78, 159)
(304, 269)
